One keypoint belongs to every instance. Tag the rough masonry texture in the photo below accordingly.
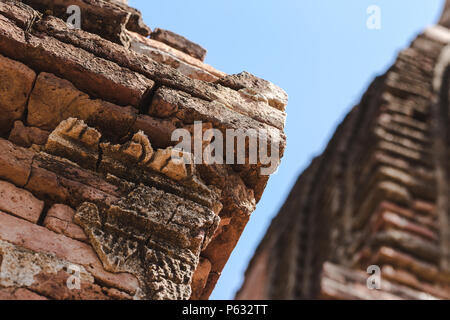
(90, 194)
(378, 195)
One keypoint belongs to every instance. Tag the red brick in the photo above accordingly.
(46, 185)
(60, 220)
(159, 131)
(19, 294)
(20, 202)
(200, 277)
(425, 207)
(16, 82)
(54, 99)
(40, 239)
(58, 181)
(179, 42)
(55, 287)
(15, 163)
(96, 76)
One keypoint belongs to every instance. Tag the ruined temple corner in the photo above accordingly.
(96, 199)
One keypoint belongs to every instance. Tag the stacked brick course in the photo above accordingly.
(87, 182)
(378, 195)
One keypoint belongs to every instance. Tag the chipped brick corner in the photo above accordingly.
(86, 177)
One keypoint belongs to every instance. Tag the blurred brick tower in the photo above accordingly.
(378, 195)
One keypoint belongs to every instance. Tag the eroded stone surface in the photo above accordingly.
(155, 236)
(74, 140)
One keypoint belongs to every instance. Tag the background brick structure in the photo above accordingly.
(378, 195)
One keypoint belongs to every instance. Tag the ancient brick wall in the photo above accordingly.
(88, 184)
(377, 196)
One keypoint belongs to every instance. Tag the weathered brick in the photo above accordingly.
(200, 277)
(46, 185)
(15, 163)
(40, 239)
(179, 42)
(406, 278)
(245, 102)
(177, 59)
(159, 131)
(424, 270)
(276, 96)
(189, 109)
(95, 15)
(74, 140)
(137, 41)
(391, 220)
(26, 136)
(59, 219)
(96, 76)
(16, 82)
(76, 171)
(18, 12)
(19, 294)
(20, 202)
(61, 182)
(54, 99)
(55, 286)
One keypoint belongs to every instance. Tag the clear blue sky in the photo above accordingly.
(319, 51)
